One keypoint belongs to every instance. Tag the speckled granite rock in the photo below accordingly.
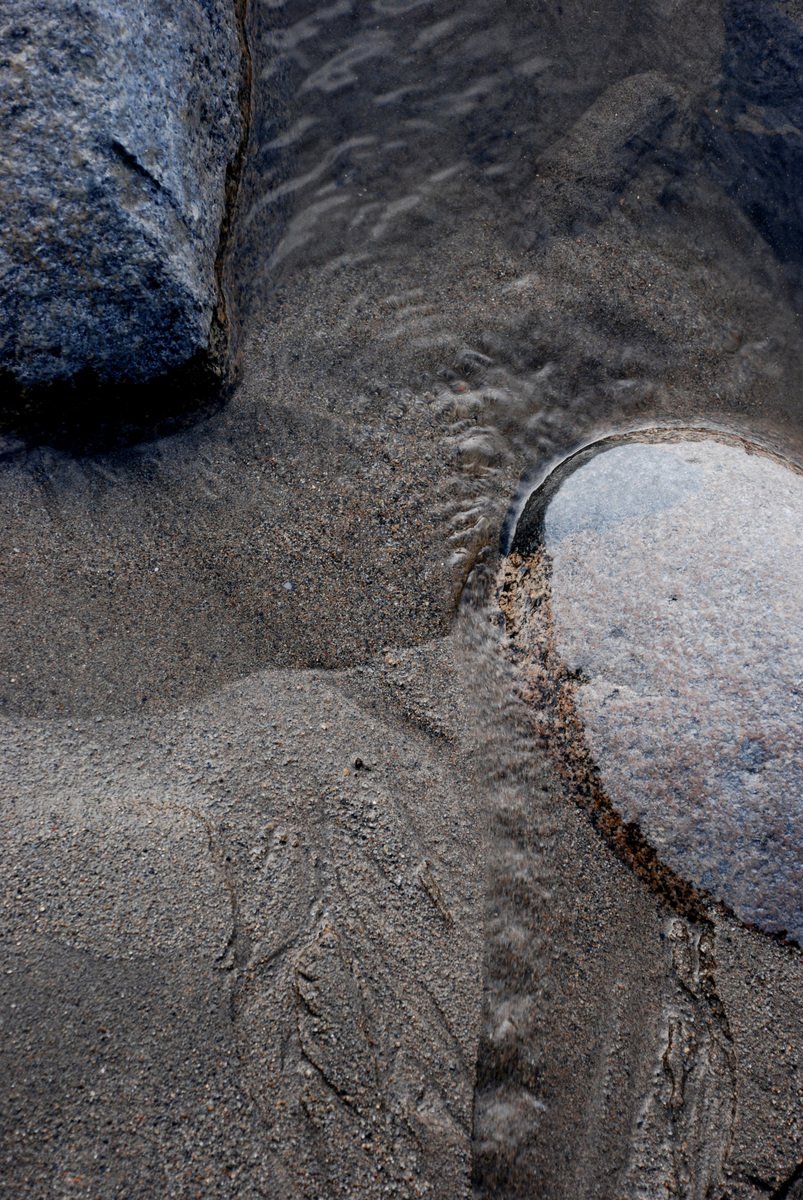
(120, 121)
(672, 577)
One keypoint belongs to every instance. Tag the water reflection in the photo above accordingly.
(471, 238)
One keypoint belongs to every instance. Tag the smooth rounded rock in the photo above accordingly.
(659, 582)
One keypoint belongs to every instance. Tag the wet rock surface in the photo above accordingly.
(121, 122)
(672, 571)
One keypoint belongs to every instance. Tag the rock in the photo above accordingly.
(671, 593)
(121, 122)
(144, 588)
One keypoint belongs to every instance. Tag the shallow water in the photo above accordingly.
(427, 309)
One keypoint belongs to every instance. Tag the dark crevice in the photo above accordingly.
(86, 415)
(234, 171)
(132, 162)
(785, 1189)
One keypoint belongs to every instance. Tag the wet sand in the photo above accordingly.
(274, 824)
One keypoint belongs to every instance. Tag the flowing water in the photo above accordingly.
(471, 239)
